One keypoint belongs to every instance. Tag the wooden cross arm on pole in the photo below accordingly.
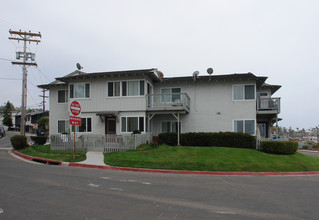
(22, 39)
(24, 63)
(25, 33)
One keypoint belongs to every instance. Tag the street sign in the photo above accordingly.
(75, 108)
(75, 120)
(35, 126)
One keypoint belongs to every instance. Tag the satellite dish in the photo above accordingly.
(210, 71)
(79, 66)
(195, 75)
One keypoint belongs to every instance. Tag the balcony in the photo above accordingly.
(268, 105)
(168, 102)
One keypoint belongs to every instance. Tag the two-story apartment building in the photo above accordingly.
(122, 102)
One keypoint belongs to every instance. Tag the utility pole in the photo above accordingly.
(25, 37)
(44, 97)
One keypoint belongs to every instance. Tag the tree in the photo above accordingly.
(7, 120)
(43, 124)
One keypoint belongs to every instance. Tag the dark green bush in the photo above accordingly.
(19, 142)
(39, 140)
(220, 139)
(279, 147)
(168, 138)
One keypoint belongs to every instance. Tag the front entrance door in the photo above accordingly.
(110, 126)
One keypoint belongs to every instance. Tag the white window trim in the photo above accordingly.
(243, 100)
(244, 125)
(66, 96)
(67, 125)
(127, 96)
(84, 90)
(138, 121)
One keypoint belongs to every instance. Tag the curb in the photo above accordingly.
(38, 159)
(144, 170)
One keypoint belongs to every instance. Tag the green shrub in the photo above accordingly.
(168, 138)
(19, 142)
(279, 147)
(39, 140)
(221, 139)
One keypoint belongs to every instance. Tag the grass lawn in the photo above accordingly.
(43, 151)
(211, 159)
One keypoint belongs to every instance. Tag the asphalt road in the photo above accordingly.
(33, 191)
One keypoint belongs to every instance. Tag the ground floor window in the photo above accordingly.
(130, 124)
(86, 125)
(244, 126)
(63, 126)
(170, 126)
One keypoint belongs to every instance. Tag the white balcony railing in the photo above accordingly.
(168, 101)
(268, 105)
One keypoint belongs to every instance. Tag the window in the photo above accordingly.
(86, 125)
(170, 126)
(262, 94)
(62, 96)
(243, 92)
(132, 88)
(63, 126)
(80, 90)
(130, 124)
(113, 89)
(244, 126)
(171, 97)
(128, 88)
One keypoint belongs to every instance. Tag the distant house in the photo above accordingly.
(122, 102)
(31, 120)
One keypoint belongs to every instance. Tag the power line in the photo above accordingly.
(6, 59)
(43, 74)
(11, 78)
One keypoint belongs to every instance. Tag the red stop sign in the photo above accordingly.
(75, 108)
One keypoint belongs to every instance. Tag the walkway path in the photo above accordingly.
(94, 158)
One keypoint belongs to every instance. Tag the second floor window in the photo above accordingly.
(62, 96)
(243, 92)
(80, 90)
(126, 88)
(171, 96)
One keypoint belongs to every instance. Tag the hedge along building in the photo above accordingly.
(122, 102)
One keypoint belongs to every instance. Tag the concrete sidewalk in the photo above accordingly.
(94, 158)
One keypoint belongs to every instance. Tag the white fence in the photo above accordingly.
(98, 143)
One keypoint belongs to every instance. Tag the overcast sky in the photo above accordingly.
(278, 39)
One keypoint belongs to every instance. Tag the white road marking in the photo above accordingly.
(146, 183)
(105, 178)
(1, 210)
(116, 189)
(135, 181)
(94, 185)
